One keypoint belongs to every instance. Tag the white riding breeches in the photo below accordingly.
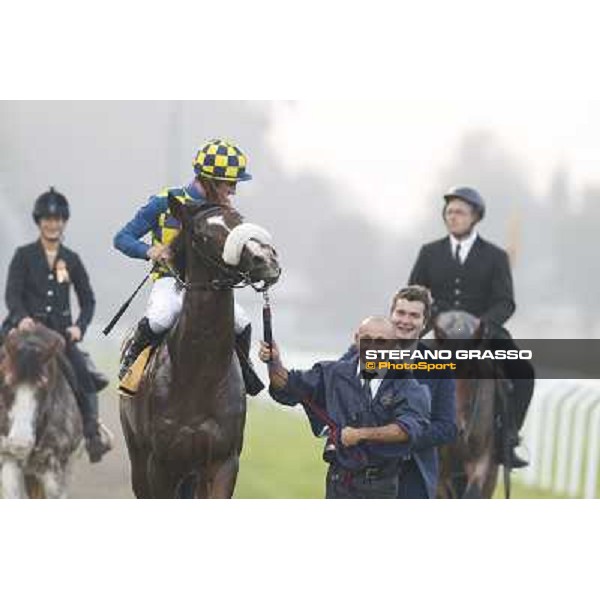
(164, 304)
(166, 300)
(240, 317)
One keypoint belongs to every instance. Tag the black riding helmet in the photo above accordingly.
(468, 195)
(51, 204)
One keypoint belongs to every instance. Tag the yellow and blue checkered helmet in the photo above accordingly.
(221, 160)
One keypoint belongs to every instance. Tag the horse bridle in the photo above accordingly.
(48, 354)
(232, 278)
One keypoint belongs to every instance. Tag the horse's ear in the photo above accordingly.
(178, 209)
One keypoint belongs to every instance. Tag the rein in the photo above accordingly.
(334, 428)
(475, 407)
(218, 285)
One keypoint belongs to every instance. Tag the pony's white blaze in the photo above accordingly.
(13, 481)
(22, 419)
(238, 237)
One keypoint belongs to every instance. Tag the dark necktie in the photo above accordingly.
(366, 384)
(457, 254)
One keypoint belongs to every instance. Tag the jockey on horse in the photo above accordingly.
(465, 272)
(38, 289)
(219, 165)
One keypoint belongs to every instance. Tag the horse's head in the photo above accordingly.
(457, 325)
(475, 392)
(232, 251)
(26, 356)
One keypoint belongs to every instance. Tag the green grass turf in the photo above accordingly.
(282, 459)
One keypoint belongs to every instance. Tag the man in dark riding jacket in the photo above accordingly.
(466, 272)
(39, 282)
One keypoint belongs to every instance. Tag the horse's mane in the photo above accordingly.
(178, 248)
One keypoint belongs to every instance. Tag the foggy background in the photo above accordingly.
(342, 257)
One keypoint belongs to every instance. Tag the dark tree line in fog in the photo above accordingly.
(108, 157)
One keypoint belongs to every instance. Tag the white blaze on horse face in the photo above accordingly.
(21, 436)
(258, 250)
(13, 480)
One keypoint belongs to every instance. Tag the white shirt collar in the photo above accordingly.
(465, 245)
(374, 384)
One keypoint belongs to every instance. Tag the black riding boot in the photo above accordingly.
(522, 390)
(87, 403)
(143, 337)
(242, 347)
(95, 444)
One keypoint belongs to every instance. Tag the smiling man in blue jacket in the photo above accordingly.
(410, 311)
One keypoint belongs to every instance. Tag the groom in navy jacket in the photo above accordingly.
(410, 311)
(373, 423)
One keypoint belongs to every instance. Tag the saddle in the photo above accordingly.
(130, 383)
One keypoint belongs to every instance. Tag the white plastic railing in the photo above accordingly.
(562, 432)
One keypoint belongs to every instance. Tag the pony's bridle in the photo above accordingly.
(48, 354)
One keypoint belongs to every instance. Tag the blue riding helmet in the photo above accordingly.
(468, 195)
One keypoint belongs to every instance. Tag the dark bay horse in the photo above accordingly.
(469, 466)
(184, 427)
(40, 423)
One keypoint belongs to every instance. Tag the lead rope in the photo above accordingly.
(334, 429)
(267, 322)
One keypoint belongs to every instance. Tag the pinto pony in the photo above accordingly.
(40, 423)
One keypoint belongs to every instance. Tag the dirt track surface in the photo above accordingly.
(109, 478)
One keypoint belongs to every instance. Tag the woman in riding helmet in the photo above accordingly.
(38, 288)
